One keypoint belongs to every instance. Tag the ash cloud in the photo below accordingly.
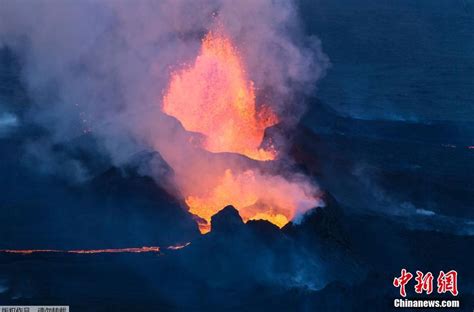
(100, 67)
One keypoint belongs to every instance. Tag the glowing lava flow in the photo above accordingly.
(214, 97)
(93, 251)
(256, 196)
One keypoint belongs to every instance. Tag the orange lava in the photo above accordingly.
(94, 251)
(256, 196)
(215, 98)
(116, 250)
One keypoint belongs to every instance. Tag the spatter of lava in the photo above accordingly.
(215, 97)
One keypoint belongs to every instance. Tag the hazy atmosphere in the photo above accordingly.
(235, 155)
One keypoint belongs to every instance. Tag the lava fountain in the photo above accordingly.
(214, 97)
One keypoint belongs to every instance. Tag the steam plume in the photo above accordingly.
(101, 67)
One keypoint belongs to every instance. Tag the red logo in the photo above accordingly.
(402, 281)
(424, 282)
(446, 282)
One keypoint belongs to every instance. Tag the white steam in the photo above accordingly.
(100, 67)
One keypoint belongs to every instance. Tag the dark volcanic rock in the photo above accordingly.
(226, 220)
(135, 210)
(119, 207)
(324, 224)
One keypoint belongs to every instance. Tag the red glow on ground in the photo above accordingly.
(143, 249)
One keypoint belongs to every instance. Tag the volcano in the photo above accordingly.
(331, 253)
(215, 98)
(236, 155)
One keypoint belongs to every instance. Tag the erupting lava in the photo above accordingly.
(214, 97)
(256, 196)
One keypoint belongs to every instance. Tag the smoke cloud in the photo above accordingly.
(101, 67)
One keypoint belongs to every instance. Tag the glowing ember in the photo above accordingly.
(94, 251)
(215, 98)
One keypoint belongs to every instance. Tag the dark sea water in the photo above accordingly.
(396, 59)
